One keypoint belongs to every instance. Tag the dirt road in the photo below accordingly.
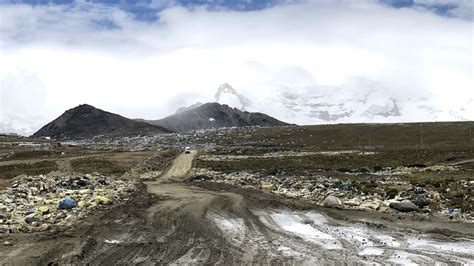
(179, 223)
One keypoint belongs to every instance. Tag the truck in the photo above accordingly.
(187, 150)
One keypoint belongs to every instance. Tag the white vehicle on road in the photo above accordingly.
(187, 150)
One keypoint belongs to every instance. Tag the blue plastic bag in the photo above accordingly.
(67, 203)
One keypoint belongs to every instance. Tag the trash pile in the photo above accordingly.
(279, 154)
(37, 203)
(334, 193)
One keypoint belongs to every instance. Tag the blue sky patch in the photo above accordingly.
(148, 10)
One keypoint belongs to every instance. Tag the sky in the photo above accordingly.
(145, 59)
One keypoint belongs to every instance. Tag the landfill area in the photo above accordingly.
(39, 203)
(241, 195)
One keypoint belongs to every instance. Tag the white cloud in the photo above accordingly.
(148, 69)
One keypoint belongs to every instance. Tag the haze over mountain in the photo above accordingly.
(86, 121)
(214, 115)
(322, 105)
(300, 61)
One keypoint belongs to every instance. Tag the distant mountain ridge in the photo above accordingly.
(214, 115)
(86, 121)
(360, 102)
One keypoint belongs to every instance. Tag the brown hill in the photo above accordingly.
(215, 115)
(86, 121)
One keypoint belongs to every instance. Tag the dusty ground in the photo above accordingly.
(169, 221)
(78, 161)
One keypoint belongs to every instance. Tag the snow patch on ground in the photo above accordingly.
(466, 247)
(312, 236)
(371, 251)
(234, 228)
(295, 225)
(113, 241)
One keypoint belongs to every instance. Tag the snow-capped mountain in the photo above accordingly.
(330, 105)
(227, 95)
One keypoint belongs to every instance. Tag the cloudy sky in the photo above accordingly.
(147, 58)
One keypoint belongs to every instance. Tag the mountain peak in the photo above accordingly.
(226, 94)
(225, 88)
(85, 121)
(215, 115)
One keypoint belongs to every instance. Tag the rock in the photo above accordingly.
(200, 178)
(353, 202)
(382, 208)
(332, 202)
(82, 183)
(29, 219)
(67, 203)
(370, 205)
(4, 229)
(377, 168)
(103, 200)
(421, 201)
(419, 190)
(406, 206)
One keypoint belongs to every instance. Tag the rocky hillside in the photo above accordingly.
(86, 121)
(214, 115)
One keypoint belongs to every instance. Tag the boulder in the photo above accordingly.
(406, 206)
(29, 219)
(421, 201)
(332, 202)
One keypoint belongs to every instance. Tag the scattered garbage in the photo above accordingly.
(455, 214)
(323, 190)
(343, 186)
(266, 185)
(103, 200)
(35, 203)
(67, 203)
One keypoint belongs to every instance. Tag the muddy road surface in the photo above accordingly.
(173, 222)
